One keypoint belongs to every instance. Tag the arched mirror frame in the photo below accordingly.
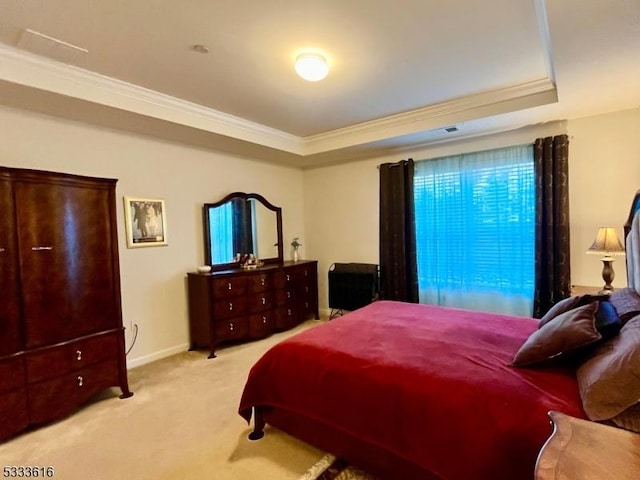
(245, 196)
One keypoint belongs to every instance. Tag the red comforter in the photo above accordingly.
(432, 385)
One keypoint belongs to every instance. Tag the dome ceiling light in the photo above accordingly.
(311, 66)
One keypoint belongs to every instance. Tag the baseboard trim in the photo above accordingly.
(167, 352)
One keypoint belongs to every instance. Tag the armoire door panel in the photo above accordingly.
(65, 256)
(10, 338)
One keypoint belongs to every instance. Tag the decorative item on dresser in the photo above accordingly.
(238, 304)
(251, 291)
(61, 333)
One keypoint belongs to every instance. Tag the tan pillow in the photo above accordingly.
(609, 380)
(567, 304)
(567, 333)
(629, 419)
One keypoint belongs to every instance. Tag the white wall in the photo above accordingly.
(604, 157)
(334, 210)
(604, 163)
(153, 279)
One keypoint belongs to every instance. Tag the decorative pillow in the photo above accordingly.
(567, 304)
(565, 334)
(608, 322)
(609, 380)
(629, 419)
(627, 303)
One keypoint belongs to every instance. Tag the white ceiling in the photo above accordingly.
(401, 70)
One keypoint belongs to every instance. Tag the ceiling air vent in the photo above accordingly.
(451, 129)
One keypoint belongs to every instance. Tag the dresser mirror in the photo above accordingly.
(245, 224)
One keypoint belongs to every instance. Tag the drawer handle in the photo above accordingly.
(230, 306)
(231, 327)
(2, 249)
(262, 282)
(288, 311)
(38, 249)
(228, 285)
(264, 319)
(264, 301)
(306, 289)
(288, 294)
(288, 277)
(80, 380)
(78, 355)
(305, 273)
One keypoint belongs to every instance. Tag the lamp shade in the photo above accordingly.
(606, 243)
(311, 66)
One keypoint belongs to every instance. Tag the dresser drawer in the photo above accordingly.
(260, 302)
(261, 282)
(286, 318)
(230, 308)
(55, 398)
(12, 373)
(232, 329)
(285, 296)
(262, 324)
(231, 286)
(55, 361)
(14, 415)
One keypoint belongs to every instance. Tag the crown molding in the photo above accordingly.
(470, 107)
(41, 73)
(33, 71)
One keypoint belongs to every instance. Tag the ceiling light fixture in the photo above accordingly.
(312, 66)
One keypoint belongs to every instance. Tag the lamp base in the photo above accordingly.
(607, 274)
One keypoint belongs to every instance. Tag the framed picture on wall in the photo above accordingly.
(145, 221)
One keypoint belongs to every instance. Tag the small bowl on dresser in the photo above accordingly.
(204, 269)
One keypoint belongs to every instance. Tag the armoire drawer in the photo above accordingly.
(55, 361)
(57, 397)
(12, 373)
(14, 415)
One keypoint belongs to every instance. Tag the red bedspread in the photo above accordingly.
(432, 385)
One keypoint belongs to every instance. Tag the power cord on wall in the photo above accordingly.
(135, 336)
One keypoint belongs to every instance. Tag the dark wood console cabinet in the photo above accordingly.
(61, 334)
(236, 304)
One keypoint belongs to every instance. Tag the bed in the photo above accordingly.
(415, 391)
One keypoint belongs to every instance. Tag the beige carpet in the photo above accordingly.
(181, 423)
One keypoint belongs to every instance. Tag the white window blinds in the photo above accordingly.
(475, 230)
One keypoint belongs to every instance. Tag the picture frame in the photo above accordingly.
(145, 222)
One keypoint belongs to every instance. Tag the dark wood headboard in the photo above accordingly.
(635, 206)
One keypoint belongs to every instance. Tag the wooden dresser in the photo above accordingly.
(236, 304)
(61, 334)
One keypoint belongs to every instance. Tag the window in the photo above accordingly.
(475, 230)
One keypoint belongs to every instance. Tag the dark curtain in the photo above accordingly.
(398, 265)
(552, 266)
(242, 226)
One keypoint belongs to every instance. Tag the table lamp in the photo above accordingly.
(607, 244)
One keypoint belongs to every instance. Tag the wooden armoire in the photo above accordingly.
(61, 333)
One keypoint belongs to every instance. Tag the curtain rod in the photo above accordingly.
(396, 164)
